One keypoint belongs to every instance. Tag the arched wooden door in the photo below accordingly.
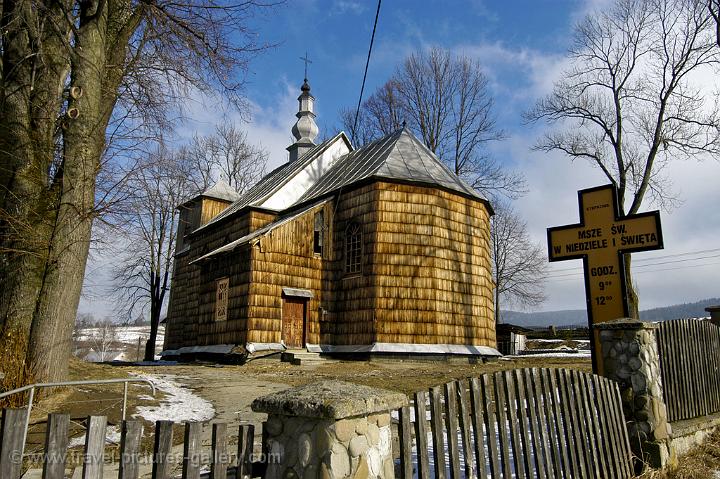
(293, 321)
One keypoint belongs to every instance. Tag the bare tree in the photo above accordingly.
(627, 104)
(103, 338)
(519, 265)
(149, 236)
(227, 154)
(714, 8)
(446, 101)
(76, 78)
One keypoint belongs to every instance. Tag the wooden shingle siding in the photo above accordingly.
(424, 274)
(284, 258)
(431, 270)
(188, 308)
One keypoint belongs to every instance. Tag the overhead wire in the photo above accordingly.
(645, 260)
(367, 65)
(579, 275)
(655, 258)
(357, 111)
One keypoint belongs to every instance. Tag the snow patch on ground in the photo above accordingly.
(112, 436)
(579, 354)
(179, 405)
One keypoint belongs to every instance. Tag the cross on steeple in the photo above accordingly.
(306, 60)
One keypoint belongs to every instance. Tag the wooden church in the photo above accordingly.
(376, 250)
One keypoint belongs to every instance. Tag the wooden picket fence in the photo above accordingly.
(130, 456)
(690, 367)
(544, 423)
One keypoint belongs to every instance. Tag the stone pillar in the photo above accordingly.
(714, 314)
(329, 430)
(629, 354)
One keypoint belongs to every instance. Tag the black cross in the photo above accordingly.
(306, 60)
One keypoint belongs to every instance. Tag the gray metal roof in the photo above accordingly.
(222, 191)
(259, 232)
(398, 156)
(272, 182)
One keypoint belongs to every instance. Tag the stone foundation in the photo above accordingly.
(330, 430)
(629, 356)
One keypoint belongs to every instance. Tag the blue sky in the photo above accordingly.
(521, 45)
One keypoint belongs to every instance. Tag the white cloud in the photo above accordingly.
(268, 127)
(538, 70)
(693, 226)
(342, 7)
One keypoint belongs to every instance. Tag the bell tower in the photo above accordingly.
(305, 130)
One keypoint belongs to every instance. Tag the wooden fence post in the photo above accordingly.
(629, 353)
(12, 443)
(95, 448)
(162, 468)
(129, 449)
(56, 444)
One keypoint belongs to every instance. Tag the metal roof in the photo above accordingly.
(259, 232)
(398, 156)
(272, 182)
(222, 191)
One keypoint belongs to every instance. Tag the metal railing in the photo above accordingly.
(33, 387)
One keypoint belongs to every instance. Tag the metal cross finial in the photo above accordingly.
(306, 60)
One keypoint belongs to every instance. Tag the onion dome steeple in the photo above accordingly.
(305, 130)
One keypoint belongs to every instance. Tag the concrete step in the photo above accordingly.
(298, 357)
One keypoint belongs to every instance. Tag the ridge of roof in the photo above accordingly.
(273, 181)
(398, 156)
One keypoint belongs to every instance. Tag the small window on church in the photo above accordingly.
(221, 299)
(353, 248)
(318, 236)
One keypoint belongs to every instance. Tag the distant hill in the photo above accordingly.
(572, 317)
(687, 310)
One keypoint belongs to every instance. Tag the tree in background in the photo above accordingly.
(160, 185)
(714, 8)
(227, 154)
(519, 265)
(148, 220)
(445, 100)
(103, 339)
(80, 81)
(627, 103)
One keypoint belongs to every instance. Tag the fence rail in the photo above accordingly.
(545, 423)
(689, 353)
(222, 463)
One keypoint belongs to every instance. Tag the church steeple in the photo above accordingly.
(305, 130)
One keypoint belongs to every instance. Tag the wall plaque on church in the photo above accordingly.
(221, 299)
(601, 240)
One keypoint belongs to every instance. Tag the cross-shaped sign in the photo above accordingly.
(306, 60)
(601, 239)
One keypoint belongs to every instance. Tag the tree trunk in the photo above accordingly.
(54, 315)
(632, 297)
(154, 323)
(32, 83)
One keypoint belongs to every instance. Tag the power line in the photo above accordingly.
(576, 276)
(367, 64)
(647, 265)
(641, 260)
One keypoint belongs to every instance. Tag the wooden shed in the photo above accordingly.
(376, 250)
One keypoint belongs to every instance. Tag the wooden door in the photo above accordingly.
(293, 322)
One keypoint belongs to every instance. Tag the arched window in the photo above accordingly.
(353, 248)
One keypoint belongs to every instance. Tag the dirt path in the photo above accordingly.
(231, 389)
